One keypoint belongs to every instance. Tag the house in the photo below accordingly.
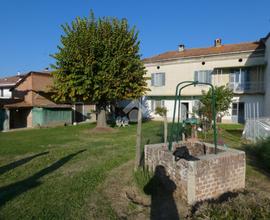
(30, 104)
(6, 84)
(244, 67)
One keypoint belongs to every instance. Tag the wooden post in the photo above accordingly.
(138, 137)
(165, 129)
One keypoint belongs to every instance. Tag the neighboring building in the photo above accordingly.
(244, 67)
(30, 104)
(5, 85)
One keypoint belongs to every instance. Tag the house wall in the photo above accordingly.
(178, 71)
(267, 79)
(42, 82)
(24, 91)
(183, 70)
(33, 89)
(254, 107)
(169, 103)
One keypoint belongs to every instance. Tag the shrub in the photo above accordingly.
(261, 150)
(248, 205)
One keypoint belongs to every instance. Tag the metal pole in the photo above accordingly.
(214, 116)
(177, 97)
(174, 111)
(178, 125)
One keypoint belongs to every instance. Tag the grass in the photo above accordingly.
(228, 134)
(142, 177)
(54, 173)
(73, 173)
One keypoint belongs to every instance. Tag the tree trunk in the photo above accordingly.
(165, 129)
(101, 116)
(138, 138)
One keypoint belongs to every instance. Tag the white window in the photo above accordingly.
(203, 76)
(156, 103)
(158, 79)
(5, 93)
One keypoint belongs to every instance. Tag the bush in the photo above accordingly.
(248, 205)
(261, 150)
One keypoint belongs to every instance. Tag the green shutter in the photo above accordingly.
(196, 77)
(152, 79)
(163, 79)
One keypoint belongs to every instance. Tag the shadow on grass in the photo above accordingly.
(20, 162)
(13, 190)
(161, 189)
(235, 132)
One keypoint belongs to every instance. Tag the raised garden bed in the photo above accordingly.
(201, 176)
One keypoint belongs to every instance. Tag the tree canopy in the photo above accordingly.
(98, 61)
(223, 96)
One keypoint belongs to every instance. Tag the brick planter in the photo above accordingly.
(205, 175)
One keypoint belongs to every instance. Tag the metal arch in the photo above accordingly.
(174, 136)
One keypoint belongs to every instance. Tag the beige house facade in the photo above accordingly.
(244, 67)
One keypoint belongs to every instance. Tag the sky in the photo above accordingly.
(30, 30)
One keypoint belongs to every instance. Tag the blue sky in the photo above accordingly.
(30, 29)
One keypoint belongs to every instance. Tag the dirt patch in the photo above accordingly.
(127, 200)
(120, 190)
(102, 130)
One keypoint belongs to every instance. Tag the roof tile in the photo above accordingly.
(194, 52)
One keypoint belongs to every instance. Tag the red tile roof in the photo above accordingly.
(12, 80)
(24, 104)
(196, 52)
(20, 104)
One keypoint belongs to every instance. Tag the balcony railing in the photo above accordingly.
(247, 87)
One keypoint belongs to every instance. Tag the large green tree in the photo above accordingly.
(98, 61)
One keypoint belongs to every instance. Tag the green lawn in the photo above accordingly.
(73, 173)
(53, 173)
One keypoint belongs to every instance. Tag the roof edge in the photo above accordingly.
(191, 57)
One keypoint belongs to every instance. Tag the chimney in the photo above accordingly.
(218, 42)
(181, 47)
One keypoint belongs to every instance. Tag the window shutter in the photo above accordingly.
(152, 79)
(158, 79)
(163, 79)
(209, 76)
(196, 77)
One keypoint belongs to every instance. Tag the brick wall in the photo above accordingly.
(216, 174)
(208, 176)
